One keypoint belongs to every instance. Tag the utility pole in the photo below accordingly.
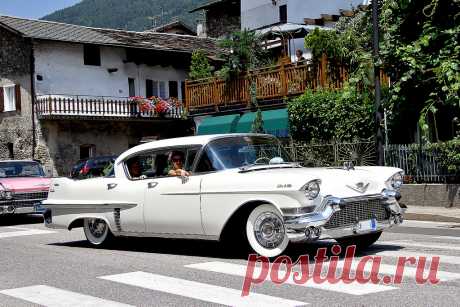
(377, 104)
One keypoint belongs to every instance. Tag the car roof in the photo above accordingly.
(182, 141)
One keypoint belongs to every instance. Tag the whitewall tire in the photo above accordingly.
(97, 231)
(265, 231)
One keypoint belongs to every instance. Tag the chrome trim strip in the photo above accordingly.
(166, 235)
(90, 206)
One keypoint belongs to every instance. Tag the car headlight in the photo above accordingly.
(396, 181)
(2, 194)
(8, 195)
(312, 189)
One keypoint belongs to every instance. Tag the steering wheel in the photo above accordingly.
(261, 159)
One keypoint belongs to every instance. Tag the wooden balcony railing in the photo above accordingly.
(62, 106)
(272, 84)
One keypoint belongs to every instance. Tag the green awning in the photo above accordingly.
(276, 122)
(218, 124)
(245, 123)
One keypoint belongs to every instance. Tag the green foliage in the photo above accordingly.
(244, 52)
(258, 124)
(420, 52)
(325, 115)
(448, 155)
(200, 67)
(125, 14)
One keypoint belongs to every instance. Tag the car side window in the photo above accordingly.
(205, 164)
(141, 166)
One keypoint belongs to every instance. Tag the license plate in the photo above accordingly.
(368, 225)
(38, 208)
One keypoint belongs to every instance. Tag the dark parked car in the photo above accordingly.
(92, 167)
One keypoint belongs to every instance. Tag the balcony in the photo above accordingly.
(98, 108)
(273, 85)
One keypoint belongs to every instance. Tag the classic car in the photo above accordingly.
(243, 188)
(23, 187)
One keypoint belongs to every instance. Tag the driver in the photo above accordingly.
(177, 161)
(134, 168)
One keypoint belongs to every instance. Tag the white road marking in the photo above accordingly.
(428, 224)
(54, 297)
(20, 233)
(443, 258)
(410, 243)
(240, 270)
(409, 271)
(446, 238)
(199, 291)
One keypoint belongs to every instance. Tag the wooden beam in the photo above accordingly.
(329, 17)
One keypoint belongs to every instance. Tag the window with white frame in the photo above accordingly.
(9, 99)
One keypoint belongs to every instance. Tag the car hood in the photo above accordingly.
(334, 181)
(26, 184)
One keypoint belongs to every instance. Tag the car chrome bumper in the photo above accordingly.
(311, 227)
(10, 208)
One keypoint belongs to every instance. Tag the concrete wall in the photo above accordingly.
(16, 126)
(63, 71)
(437, 195)
(259, 13)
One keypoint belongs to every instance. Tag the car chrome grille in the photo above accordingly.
(31, 195)
(21, 200)
(358, 210)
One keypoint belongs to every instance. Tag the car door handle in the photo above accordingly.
(111, 186)
(151, 185)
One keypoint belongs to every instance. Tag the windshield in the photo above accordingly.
(21, 169)
(235, 152)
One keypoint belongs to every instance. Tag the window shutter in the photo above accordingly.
(17, 96)
(2, 102)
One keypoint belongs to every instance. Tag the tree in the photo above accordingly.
(421, 54)
(200, 67)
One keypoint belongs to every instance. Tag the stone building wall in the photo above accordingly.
(16, 126)
(60, 140)
(223, 20)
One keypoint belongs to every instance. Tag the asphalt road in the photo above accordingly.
(39, 266)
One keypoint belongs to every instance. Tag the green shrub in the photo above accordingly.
(325, 115)
(200, 67)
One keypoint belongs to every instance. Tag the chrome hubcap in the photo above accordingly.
(97, 227)
(269, 230)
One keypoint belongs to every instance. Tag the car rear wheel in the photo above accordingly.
(97, 232)
(265, 231)
(361, 241)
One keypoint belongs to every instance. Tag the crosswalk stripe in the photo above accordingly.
(54, 297)
(409, 271)
(199, 291)
(445, 237)
(20, 233)
(428, 224)
(418, 244)
(443, 258)
(240, 270)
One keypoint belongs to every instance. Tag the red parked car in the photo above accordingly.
(23, 186)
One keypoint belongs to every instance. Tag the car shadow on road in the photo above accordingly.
(213, 249)
(15, 220)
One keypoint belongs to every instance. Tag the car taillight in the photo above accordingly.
(84, 170)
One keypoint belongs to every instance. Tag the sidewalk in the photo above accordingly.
(436, 214)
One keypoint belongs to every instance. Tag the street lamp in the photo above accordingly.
(377, 104)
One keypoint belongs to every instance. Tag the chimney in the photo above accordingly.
(201, 29)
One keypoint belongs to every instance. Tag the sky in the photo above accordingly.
(33, 8)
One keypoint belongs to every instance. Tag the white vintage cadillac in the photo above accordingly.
(242, 187)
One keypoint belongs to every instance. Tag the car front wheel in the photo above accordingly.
(265, 231)
(97, 232)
